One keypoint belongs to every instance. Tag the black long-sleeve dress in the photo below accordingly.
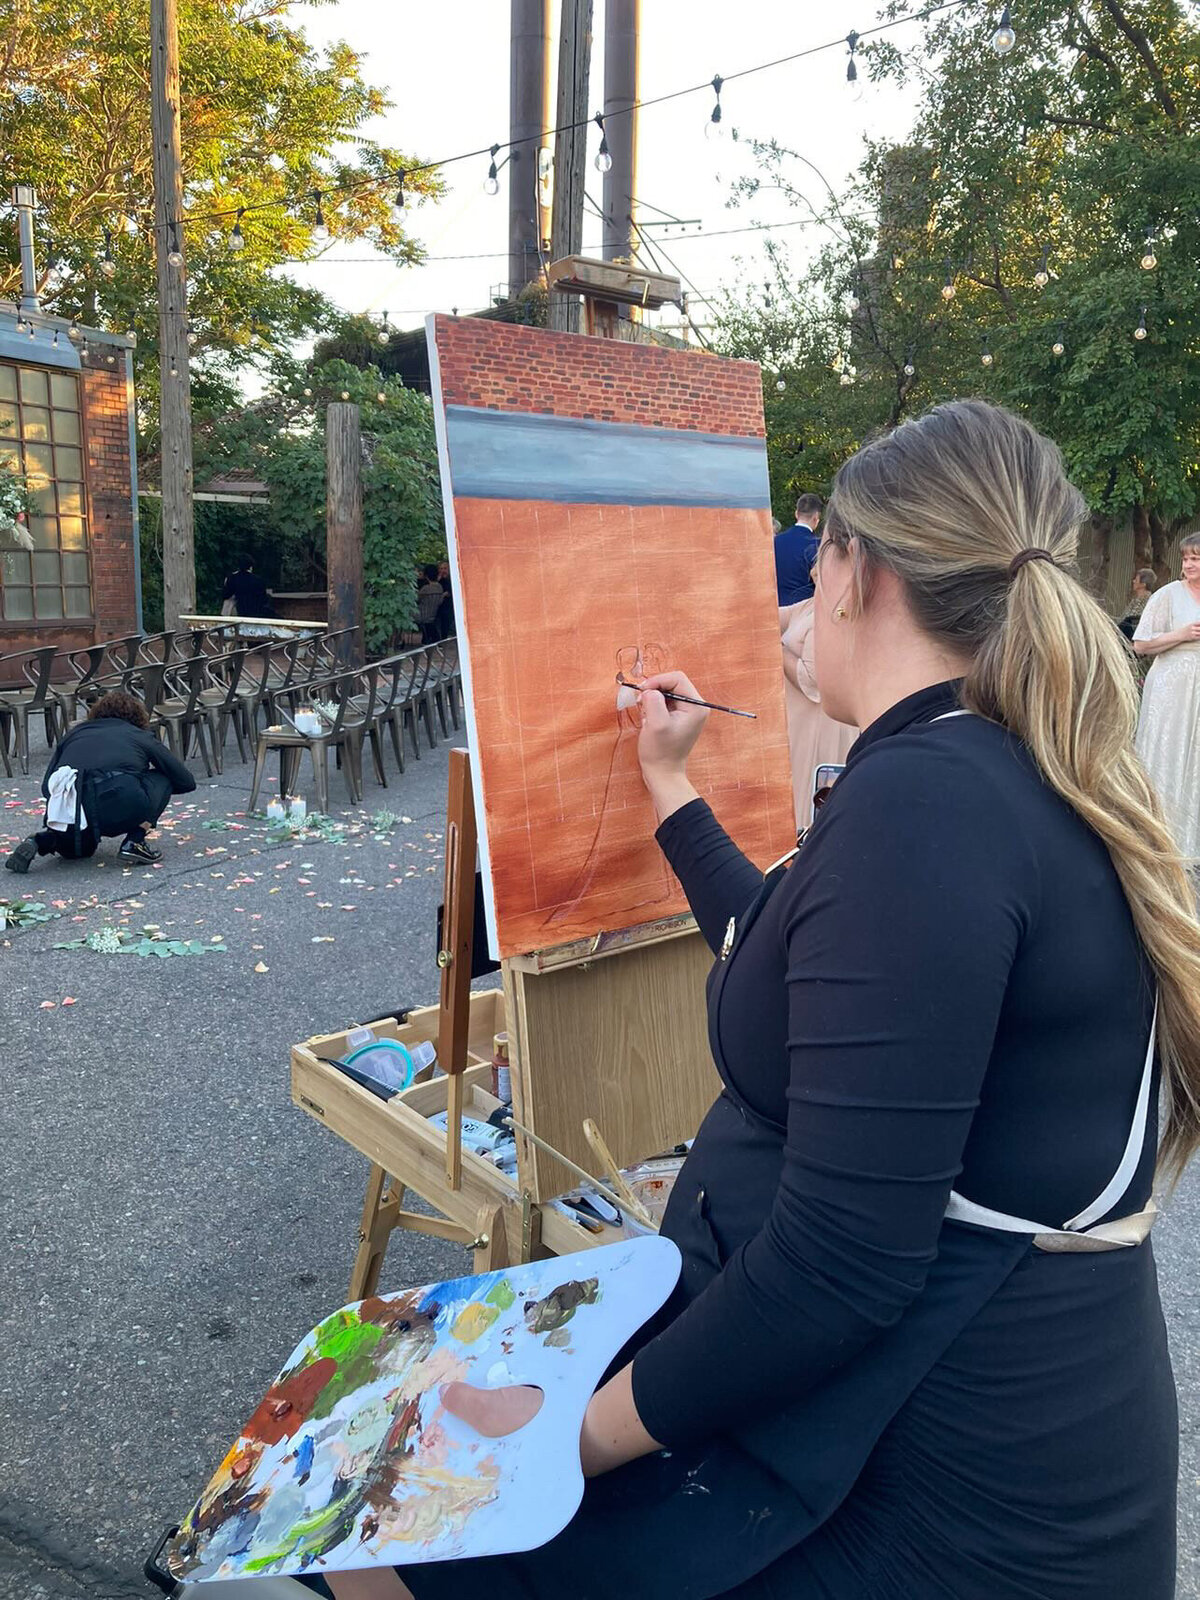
(859, 1399)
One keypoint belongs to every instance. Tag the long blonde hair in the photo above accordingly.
(947, 501)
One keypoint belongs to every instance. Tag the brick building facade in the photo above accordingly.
(67, 422)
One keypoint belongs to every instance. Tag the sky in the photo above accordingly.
(445, 68)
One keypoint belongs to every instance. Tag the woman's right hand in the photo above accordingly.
(1189, 633)
(670, 729)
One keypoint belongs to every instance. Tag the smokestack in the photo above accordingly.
(528, 119)
(621, 22)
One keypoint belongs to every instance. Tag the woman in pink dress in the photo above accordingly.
(813, 738)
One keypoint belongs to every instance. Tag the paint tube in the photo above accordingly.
(478, 1136)
(501, 1074)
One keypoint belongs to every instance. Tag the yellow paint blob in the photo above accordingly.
(474, 1320)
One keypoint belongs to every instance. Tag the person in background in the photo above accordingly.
(445, 618)
(114, 777)
(814, 739)
(795, 551)
(245, 593)
(430, 596)
(1145, 581)
(1168, 734)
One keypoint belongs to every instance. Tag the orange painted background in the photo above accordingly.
(549, 594)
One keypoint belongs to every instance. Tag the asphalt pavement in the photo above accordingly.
(173, 1225)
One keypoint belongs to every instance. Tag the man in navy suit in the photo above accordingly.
(796, 550)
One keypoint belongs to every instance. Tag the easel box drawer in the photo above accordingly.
(396, 1134)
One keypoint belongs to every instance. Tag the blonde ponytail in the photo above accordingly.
(950, 502)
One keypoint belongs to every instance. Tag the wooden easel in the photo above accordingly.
(611, 1030)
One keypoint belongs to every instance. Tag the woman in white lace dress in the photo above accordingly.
(1168, 735)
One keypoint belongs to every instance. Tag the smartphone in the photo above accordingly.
(824, 779)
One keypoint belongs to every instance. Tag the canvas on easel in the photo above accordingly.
(608, 514)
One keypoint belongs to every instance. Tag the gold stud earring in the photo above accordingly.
(840, 612)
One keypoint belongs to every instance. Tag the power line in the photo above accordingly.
(498, 255)
(401, 175)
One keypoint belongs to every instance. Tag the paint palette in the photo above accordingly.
(352, 1459)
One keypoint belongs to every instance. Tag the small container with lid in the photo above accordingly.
(501, 1075)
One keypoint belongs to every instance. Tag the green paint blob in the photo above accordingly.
(502, 1295)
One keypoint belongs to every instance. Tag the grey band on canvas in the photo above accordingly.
(506, 455)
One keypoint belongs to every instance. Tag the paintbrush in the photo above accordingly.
(669, 694)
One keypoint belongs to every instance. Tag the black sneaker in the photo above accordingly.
(139, 850)
(23, 856)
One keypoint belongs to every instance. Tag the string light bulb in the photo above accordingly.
(307, 393)
(385, 333)
(30, 329)
(54, 341)
(603, 155)
(781, 384)
(1139, 332)
(381, 398)
(107, 265)
(83, 346)
(985, 355)
(174, 254)
(75, 332)
(948, 289)
(852, 65)
(1149, 259)
(237, 239)
(193, 338)
(345, 394)
(1042, 277)
(910, 370)
(1058, 346)
(846, 379)
(712, 128)
(491, 184)
(320, 231)
(398, 208)
(173, 370)
(1005, 35)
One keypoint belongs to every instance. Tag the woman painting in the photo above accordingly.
(1168, 735)
(916, 1351)
(813, 738)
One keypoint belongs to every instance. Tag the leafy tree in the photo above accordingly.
(264, 119)
(281, 437)
(1031, 185)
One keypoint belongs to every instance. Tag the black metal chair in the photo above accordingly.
(353, 695)
(34, 698)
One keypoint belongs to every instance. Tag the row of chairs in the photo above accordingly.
(392, 696)
(171, 667)
(195, 687)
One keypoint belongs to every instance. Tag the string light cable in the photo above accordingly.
(406, 174)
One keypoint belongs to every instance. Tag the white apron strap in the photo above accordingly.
(1079, 1233)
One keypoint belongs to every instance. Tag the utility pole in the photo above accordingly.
(179, 563)
(344, 528)
(622, 20)
(528, 120)
(570, 150)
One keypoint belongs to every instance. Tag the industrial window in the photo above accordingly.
(40, 435)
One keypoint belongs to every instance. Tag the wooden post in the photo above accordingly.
(454, 958)
(570, 150)
(179, 565)
(344, 529)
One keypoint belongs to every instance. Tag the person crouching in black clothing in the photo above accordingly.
(124, 783)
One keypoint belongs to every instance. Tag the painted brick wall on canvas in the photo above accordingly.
(618, 382)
